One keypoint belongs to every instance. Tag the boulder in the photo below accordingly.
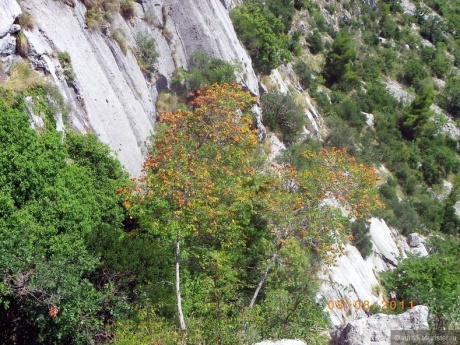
(416, 244)
(376, 329)
(414, 240)
(7, 45)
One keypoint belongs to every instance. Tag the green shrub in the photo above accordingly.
(432, 29)
(307, 77)
(318, 20)
(361, 237)
(430, 211)
(451, 221)
(262, 34)
(433, 281)
(94, 18)
(339, 59)
(413, 73)
(450, 96)
(206, 70)
(407, 219)
(315, 42)
(299, 4)
(293, 43)
(340, 135)
(388, 191)
(282, 9)
(389, 29)
(438, 159)
(283, 116)
(440, 66)
(146, 53)
(50, 206)
(66, 63)
(294, 154)
(349, 111)
(413, 123)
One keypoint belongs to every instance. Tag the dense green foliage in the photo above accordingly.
(146, 52)
(283, 116)
(450, 97)
(89, 257)
(209, 195)
(206, 70)
(57, 197)
(262, 33)
(339, 59)
(361, 237)
(433, 281)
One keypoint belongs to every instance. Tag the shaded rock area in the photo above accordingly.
(376, 329)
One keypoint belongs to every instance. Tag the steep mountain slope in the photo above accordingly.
(372, 78)
(109, 95)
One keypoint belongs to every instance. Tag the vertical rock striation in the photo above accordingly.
(110, 95)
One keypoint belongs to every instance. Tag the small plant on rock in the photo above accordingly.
(127, 9)
(146, 53)
(66, 63)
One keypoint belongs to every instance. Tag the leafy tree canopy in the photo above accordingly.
(55, 194)
(262, 33)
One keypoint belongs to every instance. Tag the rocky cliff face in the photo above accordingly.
(110, 96)
(354, 280)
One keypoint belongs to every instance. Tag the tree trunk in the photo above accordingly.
(264, 276)
(178, 295)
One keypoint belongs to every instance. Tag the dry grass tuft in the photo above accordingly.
(23, 77)
(167, 102)
(27, 21)
(120, 37)
(22, 45)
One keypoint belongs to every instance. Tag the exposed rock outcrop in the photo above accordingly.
(377, 328)
(110, 95)
(9, 11)
(355, 280)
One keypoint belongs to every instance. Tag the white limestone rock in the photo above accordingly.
(351, 279)
(369, 119)
(7, 45)
(110, 96)
(205, 25)
(113, 97)
(377, 328)
(414, 240)
(384, 242)
(9, 11)
(276, 146)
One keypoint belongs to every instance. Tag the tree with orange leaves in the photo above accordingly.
(206, 194)
(313, 205)
(199, 176)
